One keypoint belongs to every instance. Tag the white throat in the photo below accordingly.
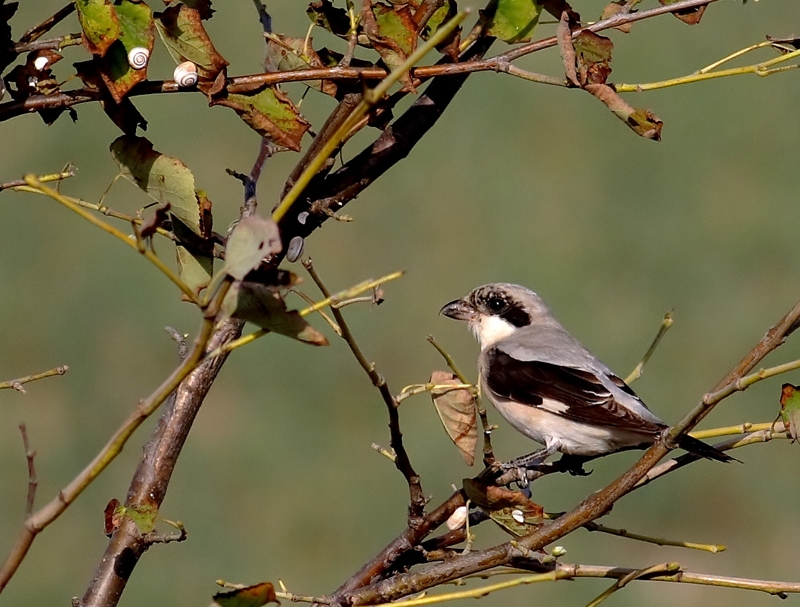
(490, 329)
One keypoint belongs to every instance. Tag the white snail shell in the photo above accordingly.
(457, 519)
(185, 74)
(138, 57)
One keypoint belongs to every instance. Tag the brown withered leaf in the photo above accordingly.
(252, 596)
(613, 9)
(112, 516)
(271, 114)
(593, 55)
(567, 48)
(492, 497)
(643, 122)
(510, 509)
(690, 16)
(458, 414)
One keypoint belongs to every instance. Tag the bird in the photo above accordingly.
(551, 388)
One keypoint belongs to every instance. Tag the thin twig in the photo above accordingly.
(48, 513)
(30, 454)
(55, 44)
(42, 179)
(45, 26)
(16, 384)
(663, 568)
(402, 460)
(666, 323)
(148, 254)
(103, 209)
(713, 548)
(759, 69)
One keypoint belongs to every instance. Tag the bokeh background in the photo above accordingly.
(517, 182)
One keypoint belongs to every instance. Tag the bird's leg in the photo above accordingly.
(528, 461)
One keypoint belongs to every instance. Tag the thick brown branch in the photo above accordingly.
(149, 485)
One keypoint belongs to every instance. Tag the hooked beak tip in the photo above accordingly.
(457, 310)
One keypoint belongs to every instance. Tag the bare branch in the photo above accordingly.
(30, 454)
(401, 460)
(16, 384)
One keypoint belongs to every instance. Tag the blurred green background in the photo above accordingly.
(517, 182)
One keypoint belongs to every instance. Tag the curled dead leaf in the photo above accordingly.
(458, 413)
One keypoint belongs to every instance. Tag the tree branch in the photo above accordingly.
(590, 509)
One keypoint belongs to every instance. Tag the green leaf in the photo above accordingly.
(136, 30)
(181, 29)
(144, 516)
(264, 306)
(511, 20)
(397, 23)
(253, 239)
(393, 33)
(271, 114)
(458, 413)
(790, 409)
(99, 23)
(252, 596)
(165, 179)
(194, 269)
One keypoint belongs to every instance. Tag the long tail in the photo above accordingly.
(698, 447)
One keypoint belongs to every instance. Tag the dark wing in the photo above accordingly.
(585, 398)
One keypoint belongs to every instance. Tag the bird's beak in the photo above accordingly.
(459, 310)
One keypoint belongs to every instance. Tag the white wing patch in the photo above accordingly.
(553, 406)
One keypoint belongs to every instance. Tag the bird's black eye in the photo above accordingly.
(495, 304)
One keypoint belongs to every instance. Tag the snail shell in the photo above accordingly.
(185, 74)
(295, 249)
(458, 518)
(138, 57)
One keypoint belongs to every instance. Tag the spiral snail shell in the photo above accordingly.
(138, 57)
(185, 74)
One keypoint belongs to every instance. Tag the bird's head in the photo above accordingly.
(497, 310)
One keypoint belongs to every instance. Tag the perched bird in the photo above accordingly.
(549, 387)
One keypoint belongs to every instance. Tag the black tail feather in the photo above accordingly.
(698, 447)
